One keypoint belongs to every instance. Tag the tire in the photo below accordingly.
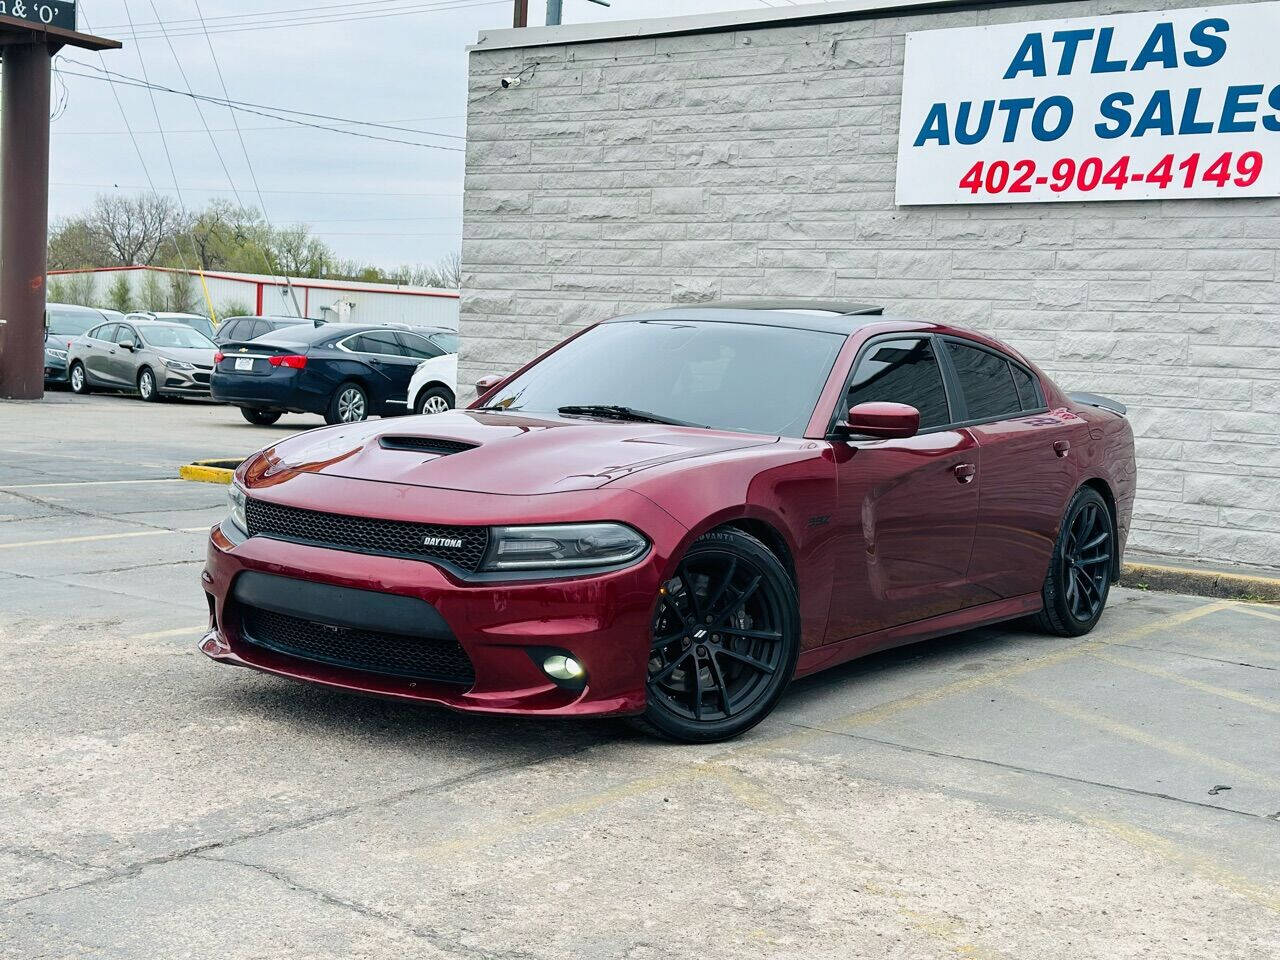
(79, 379)
(349, 404)
(1080, 570)
(731, 609)
(434, 400)
(147, 388)
(260, 418)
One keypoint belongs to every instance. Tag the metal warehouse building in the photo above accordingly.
(1028, 172)
(263, 295)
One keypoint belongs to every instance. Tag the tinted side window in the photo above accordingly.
(902, 371)
(107, 332)
(420, 348)
(124, 333)
(1027, 392)
(230, 330)
(987, 383)
(377, 341)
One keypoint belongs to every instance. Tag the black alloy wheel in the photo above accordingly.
(724, 640)
(1080, 573)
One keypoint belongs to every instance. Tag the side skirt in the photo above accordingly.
(828, 655)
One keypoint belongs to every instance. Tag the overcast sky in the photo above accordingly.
(400, 62)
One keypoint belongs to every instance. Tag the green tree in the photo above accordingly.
(181, 294)
(120, 293)
(153, 297)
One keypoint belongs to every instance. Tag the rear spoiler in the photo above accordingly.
(1103, 403)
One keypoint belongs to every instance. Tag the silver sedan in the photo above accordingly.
(154, 358)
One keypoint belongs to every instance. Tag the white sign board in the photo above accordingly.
(1136, 106)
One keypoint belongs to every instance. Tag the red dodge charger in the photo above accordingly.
(670, 515)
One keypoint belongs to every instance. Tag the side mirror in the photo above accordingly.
(883, 421)
(128, 345)
(485, 384)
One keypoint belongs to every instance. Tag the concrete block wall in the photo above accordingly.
(627, 174)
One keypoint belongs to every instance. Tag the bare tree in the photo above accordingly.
(133, 229)
(445, 273)
(297, 253)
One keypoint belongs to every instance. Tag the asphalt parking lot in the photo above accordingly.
(998, 794)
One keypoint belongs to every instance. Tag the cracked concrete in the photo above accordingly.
(998, 794)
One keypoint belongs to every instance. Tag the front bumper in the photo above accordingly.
(55, 369)
(188, 382)
(602, 620)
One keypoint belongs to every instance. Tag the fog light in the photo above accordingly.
(559, 667)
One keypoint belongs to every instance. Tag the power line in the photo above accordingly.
(319, 20)
(145, 24)
(302, 193)
(202, 130)
(152, 88)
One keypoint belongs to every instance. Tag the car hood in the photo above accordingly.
(492, 452)
(200, 355)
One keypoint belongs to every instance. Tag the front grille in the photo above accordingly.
(434, 445)
(464, 547)
(369, 651)
(201, 377)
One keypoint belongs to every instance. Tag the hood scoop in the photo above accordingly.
(431, 445)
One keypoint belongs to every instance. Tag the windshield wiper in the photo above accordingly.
(613, 412)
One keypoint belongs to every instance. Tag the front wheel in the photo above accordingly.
(724, 640)
(435, 400)
(349, 404)
(1079, 579)
(78, 379)
(261, 418)
(147, 386)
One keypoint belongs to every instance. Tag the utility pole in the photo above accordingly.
(554, 10)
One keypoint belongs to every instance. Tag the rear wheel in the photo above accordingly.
(78, 379)
(261, 418)
(724, 640)
(147, 385)
(1079, 579)
(349, 404)
(435, 400)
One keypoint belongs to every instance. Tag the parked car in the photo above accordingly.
(434, 387)
(155, 358)
(670, 515)
(63, 322)
(195, 321)
(250, 328)
(344, 372)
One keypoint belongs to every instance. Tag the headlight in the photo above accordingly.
(236, 500)
(56, 354)
(563, 546)
(177, 364)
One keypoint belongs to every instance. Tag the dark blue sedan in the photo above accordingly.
(343, 372)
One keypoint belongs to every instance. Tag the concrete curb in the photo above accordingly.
(210, 471)
(1201, 582)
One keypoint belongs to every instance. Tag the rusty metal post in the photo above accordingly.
(24, 218)
(521, 18)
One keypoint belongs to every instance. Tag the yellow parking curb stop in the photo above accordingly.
(210, 471)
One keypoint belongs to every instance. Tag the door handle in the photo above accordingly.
(1061, 447)
(965, 472)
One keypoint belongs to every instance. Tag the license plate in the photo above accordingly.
(244, 363)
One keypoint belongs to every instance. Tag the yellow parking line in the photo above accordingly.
(1141, 737)
(1169, 850)
(1255, 611)
(82, 483)
(193, 632)
(1259, 702)
(886, 710)
(97, 537)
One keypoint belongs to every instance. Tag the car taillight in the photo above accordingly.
(296, 361)
(219, 357)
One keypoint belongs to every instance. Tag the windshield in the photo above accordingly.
(71, 324)
(448, 342)
(730, 376)
(175, 337)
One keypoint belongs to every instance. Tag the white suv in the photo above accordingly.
(434, 387)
